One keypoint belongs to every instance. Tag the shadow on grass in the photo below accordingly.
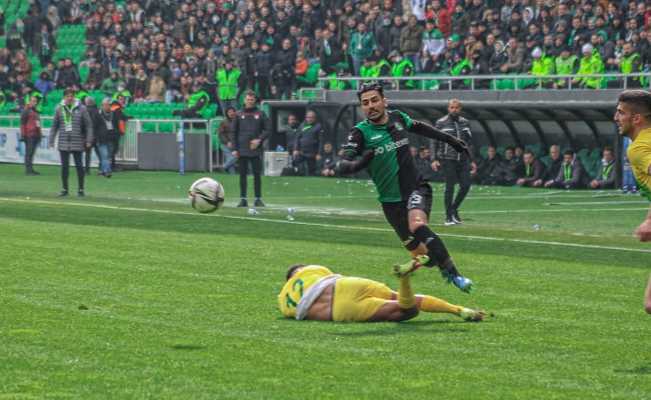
(640, 370)
(385, 329)
(187, 347)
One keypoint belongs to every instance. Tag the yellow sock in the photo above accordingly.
(406, 298)
(434, 305)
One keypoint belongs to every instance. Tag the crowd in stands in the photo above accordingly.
(163, 50)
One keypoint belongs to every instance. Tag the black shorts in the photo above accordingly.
(397, 213)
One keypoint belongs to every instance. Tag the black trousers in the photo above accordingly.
(115, 147)
(65, 168)
(31, 143)
(306, 165)
(264, 87)
(256, 166)
(455, 172)
(87, 156)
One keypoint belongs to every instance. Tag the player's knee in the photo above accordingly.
(647, 307)
(416, 222)
(408, 313)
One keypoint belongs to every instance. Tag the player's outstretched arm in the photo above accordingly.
(427, 130)
(351, 166)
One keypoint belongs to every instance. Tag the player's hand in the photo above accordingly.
(643, 232)
(461, 147)
(436, 165)
(253, 144)
(236, 154)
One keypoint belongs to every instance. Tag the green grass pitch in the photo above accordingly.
(128, 294)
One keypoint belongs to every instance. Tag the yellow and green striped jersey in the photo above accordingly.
(639, 155)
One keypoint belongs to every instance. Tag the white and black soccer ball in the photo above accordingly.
(206, 195)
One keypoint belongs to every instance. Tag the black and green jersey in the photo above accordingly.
(392, 167)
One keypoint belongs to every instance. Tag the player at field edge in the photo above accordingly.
(380, 144)
(314, 292)
(633, 117)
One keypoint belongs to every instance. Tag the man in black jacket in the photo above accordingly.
(457, 167)
(555, 161)
(533, 171)
(263, 65)
(250, 128)
(306, 145)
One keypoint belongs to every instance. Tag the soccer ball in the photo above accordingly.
(206, 195)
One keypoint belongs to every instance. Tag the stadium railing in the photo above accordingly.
(472, 82)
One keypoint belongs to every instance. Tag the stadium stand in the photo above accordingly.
(155, 50)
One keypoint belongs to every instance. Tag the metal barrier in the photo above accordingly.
(475, 79)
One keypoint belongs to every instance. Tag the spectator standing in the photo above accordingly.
(590, 63)
(534, 171)
(411, 41)
(226, 140)
(456, 166)
(307, 145)
(228, 79)
(263, 66)
(605, 178)
(107, 125)
(250, 130)
(93, 114)
(117, 108)
(72, 130)
(362, 45)
(30, 133)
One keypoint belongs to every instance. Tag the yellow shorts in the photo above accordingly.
(358, 299)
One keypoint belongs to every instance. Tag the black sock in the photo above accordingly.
(436, 250)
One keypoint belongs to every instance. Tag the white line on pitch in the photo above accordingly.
(330, 226)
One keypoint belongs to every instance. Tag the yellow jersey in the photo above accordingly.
(639, 155)
(297, 285)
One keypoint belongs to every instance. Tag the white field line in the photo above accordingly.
(323, 225)
(362, 212)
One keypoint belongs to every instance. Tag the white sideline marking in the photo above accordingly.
(322, 225)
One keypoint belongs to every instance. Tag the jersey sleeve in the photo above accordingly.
(354, 145)
(641, 158)
(408, 121)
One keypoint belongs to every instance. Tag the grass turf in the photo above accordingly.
(128, 293)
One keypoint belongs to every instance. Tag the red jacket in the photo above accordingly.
(30, 123)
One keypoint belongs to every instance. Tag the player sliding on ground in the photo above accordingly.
(316, 293)
(380, 144)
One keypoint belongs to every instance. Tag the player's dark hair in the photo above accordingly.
(369, 86)
(639, 100)
(528, 152)
(292, 269)
(568, 152)
(609, 148)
